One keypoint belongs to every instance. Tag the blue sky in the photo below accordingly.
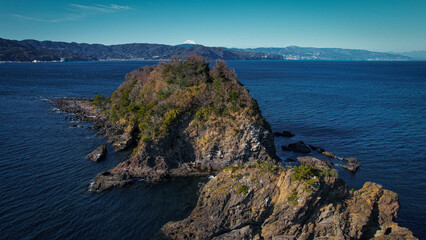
(379, 25)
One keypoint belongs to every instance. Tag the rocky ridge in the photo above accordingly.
(253, 203)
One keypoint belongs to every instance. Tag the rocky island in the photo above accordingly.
(181, 118)
(184, 119)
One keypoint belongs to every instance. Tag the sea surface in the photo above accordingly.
(374, 111)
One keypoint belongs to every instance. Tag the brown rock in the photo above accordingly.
(353, 167)
(350, 160)
(107, 180)
(274, 206)
(98, 154)
(328, 154)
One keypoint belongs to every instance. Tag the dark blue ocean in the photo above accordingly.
(374, 111)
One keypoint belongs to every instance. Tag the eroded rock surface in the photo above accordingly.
(252, 203)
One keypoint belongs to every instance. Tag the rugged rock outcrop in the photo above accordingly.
(352, 164)
(262, 203)
(183, 119)
(353, 167)
(98, 154)
(120, 135)
(315, 162)
(297, 147)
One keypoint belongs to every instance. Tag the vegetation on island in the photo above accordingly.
(156, 99)
(309, 175)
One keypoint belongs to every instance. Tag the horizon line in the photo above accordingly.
(292, 45)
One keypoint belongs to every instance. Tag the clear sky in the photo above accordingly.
(378, 25)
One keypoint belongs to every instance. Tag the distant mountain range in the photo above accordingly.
(33, 50)
(30, 50)
(309, 53)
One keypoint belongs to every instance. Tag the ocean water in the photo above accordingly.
(374, 111)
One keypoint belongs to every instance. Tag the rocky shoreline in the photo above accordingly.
(83, 110)
(250, 203)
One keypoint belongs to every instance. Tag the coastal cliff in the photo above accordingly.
(261, 201)
(181, 118)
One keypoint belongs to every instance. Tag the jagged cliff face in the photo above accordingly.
(186, 119)
(254, 203)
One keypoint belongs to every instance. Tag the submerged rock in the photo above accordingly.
(297, 147)
(353, 167)
(274, 205)
(313, 147)
(328, 154)
(350, 160)
(284, 134)
(98, 154)
(315, 162)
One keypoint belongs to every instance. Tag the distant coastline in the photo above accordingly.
(48, 51)
(167, 60)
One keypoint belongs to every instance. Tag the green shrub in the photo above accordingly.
(266, 167)
(100, 101)
(308, 175)
(293, 197)
(233, 168)
(303, 172)
(243, 189)
(323, 172)
(238, 176)
(171, 118)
